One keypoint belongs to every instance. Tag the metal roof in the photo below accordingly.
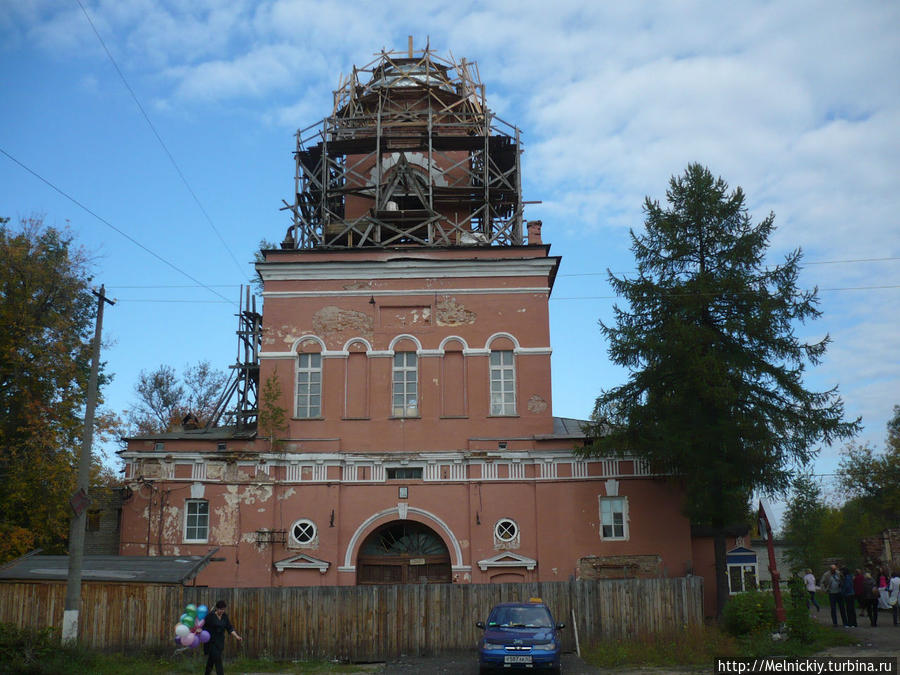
(566, 427)
(123, 568)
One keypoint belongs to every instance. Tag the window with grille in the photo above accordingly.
(506, 530)
(405, 385)
(309, 386)
(503, 383)
(303, 532)
(196, 521)
(614, 517)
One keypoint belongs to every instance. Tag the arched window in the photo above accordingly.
(405, 383)
(503, 382)
(309, 381)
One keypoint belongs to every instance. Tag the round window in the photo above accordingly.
(506, 529)
(303, 531)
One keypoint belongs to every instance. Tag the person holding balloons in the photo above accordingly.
(217, 625)
(189, 630)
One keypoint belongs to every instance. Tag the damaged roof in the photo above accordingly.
(124, 568)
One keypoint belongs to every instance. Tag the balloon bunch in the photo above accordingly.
(189, 629)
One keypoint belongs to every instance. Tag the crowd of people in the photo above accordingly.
(848, 592)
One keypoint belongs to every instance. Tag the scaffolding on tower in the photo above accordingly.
(238, 406)
(410, 156)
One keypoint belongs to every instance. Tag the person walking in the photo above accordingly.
(870, 598)
(218, 625)
(849, 594)
(831, 583)
(858, 580)
(810, 580)
(894, 595)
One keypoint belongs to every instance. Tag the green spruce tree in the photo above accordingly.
(714, 395)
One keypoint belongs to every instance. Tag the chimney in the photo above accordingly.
(534, 233)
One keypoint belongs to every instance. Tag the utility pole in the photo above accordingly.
(80, 500)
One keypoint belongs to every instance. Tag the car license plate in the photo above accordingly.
(516, 659)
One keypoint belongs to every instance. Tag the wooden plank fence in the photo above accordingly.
(356, 623)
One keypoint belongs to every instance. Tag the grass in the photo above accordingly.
(81, 661)
(700, 645)
(110, 664)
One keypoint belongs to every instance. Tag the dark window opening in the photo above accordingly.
(404, 473)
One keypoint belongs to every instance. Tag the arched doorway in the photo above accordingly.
(403, 552)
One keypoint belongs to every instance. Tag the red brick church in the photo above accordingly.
(406, 319)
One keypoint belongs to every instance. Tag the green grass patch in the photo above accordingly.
(38, 652)
(699, 646)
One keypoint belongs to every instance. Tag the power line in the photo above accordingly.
(159, 138)
(113, 227)
(815, 262)
(192, 302)
(615, 297)
(159, 286)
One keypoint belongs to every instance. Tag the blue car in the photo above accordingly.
(519, 636)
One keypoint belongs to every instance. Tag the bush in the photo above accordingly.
(749, 612)
(23, 649)
(800, 625)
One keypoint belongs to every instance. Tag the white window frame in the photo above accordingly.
(188, 504)
(608, 518)
(503, 382)
(405, 389)
(309, 526)
(309, 379)
(745, 568)
(503, 535)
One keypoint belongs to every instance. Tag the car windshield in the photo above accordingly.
(520, 617)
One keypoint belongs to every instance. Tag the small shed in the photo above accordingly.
(125, 600)
(180, 569)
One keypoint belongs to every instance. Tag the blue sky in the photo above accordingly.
(798, 103)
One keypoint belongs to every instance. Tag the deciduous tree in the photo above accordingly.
(164, 399)
(872, 478)
(715, 392)
(804, 522)
(47, 317)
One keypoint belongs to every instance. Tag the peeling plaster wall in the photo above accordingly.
(449, 312)
(537, 405)
(336, 325)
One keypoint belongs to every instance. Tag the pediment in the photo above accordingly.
(507, 559)
(302, 561)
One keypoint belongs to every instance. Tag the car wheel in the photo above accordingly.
(485, 670)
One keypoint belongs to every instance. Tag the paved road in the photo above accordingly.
(883, 640)
(466, 663)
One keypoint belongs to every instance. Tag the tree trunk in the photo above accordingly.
(721, 572)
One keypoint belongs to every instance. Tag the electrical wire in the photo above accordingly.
(114, 228)
(161, 142)
(615, 297)
(804, 264)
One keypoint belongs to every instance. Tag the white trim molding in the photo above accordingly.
(404, 268)
(507, 559)
(394, 514)
(302, 562)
